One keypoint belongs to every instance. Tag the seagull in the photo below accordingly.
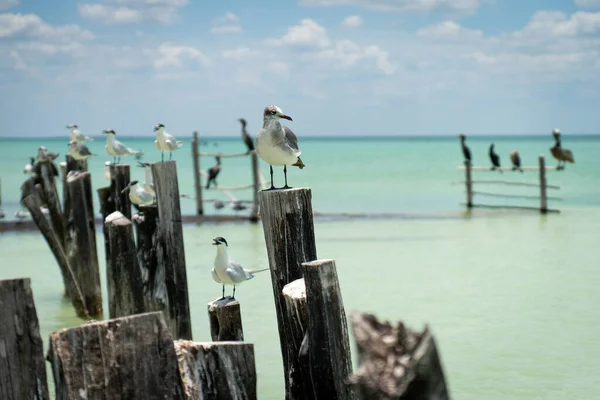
(116, 148)
(516, 160)
(79, 151)
(138, 194)
(465, 149)
(495, 158)
(227, 271)
(165, 141)
(559, 153)
(28, 169)
(276, 144)
(45, 155)
(213, 172)
(245, 136)
(77, 135)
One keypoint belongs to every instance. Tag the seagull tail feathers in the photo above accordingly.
(299, 163)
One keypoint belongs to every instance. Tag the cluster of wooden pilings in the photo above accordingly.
(145, 350)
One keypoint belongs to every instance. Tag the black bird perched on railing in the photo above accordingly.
(495, 158)
(213, 172)
(516, 160)
(465, 149)
(559, 153)
(245, 136)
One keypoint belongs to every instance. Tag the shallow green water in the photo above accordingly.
(511, 296)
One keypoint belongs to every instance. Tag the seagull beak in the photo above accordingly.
(126, 188)
(285, 116)
(215, 243)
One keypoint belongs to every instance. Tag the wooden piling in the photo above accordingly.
(23, 373)
(197, 183)
(119, 179)
(255, 187)
(543, 190)
(47, 171)
(328, 344)
(396, 362)
(107, 207)
(124, 280)
(225, 320)
(469, 184)
(217, 371)
(125, 358)
(287, 221)
(81, 243)
(70, 165)
(170, 251)
(153, 285)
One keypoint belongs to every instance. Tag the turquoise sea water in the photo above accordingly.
(511, 296)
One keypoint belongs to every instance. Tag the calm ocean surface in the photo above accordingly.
(511, 296)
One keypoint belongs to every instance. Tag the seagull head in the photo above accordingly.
(158, 126)
(143, 164)
(109, 132)
(275, 113)
(219, 241)
(72, 126)
(129, 186)
(556, 132)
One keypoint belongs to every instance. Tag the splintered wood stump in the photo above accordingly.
(396, 362)
(81, 243)
(119, 179)
(287, 221)
(119, 359)
(170, 249)
(22, 369)
(225, 320)
(124, 278)
(327, 333)
(154, 285)
(217, 371)
(49, 172)
(107, 207)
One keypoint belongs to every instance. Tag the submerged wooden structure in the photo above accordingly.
(542, 185)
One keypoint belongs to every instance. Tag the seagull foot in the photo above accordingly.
(286, 187)
(269, 189)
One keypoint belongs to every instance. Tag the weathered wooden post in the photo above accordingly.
(327, 332)
(543, 192)
(469, 184)
(107, 207)
(255, 187)
(153, 285)
(119, 179)
(170, 251)
(225, 320)
(396, 363)
(70, 165)
(23, 373)
(48, 173)
(124, 280)
(197, 183)
(202, 370)
(287, 221)
(81, 243)
(125, 358)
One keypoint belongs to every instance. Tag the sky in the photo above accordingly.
(337, 67)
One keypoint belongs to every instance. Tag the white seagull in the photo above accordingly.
(79, 151)
(28, 169)
(227, 271)
(148, 179)
(165, 141)
(277, 144)
(77, 135)
(116, 148)
(44, 155)
(138, 195)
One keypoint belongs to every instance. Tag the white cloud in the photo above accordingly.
(229, 23)
(19, 63)
(587, 3)
(308, 33)
(4, 4)
(352, 21)
(132, 11)
(238, 53)
(174, 56)
(32, 26)
(407, 6)
(449, 30)
(345, 54)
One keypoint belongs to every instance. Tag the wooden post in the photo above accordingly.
(119, 179)
(107, 207)
(52, 201)
(21, 350)
(124, 280)
(170, 252)
(81, 244)
(255, 187)
(70, 165)
(197, 183)
(153, 284)
(328, 344)
(287, 221)
(225, 320)
(543, 194)
(125, 358)
(395, 362)
(76, 165)
(217, 371)
(469, 183)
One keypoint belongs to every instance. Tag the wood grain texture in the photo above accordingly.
(255, 188)
(22, 368)
(469, 184)
(107, 207)
(217, 370)
(197, 183)
(119, 179)
(70, 165)
(543, 191)
(146, 233)
(52, 201)
(120, 359)
(225, 319)
(170, 249)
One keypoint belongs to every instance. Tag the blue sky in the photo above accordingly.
(338, 67)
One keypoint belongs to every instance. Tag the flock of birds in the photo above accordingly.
(558, 152)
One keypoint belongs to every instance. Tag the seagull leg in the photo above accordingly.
(223, 292)
(233, 297)
(162, 156)
(285, 176)
(272, 186)
(170, 155)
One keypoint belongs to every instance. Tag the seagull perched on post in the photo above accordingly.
(245, 136)
(44, 155)
(165, 141)
(77, 135)
(227, 271)
(79, 151)
(277, 144)
(138, 194)
(28, 169)
(148, 179)
(116, 148)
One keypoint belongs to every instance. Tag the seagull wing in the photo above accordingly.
(291, 138)
(237, 273)
(215, 276)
